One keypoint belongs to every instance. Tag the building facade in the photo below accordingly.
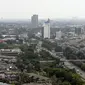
(46, 29)
(79, 30)
(34, 21)
(58, 35)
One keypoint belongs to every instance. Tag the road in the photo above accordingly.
(67, 63)
(71, 66)
(64, 60)
(75, 43)
(78, 70)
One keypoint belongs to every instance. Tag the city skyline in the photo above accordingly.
(24, 9)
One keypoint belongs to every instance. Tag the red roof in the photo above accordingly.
(1, 41)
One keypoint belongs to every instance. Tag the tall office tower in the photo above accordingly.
(79, 30)
(46, 29)
(34, 21)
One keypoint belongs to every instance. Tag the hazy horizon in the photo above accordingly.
(24, 9)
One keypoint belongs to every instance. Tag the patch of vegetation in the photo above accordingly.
(64, 76)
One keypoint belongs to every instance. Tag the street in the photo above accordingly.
(66, 63)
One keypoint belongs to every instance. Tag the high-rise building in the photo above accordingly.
(79, 30)
(58, 35)
(34, 21)
(46, 29)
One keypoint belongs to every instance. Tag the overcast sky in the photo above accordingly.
(24, 9)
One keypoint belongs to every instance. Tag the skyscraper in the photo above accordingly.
(46, 29)
(34, 21)
(79, 30)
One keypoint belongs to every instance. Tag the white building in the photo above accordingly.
(46, 29)
(58, 35)
(38, 34)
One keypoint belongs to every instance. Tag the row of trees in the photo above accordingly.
(61, 76)
(45, 55)
(79, 64)
(48, 45)
(27, 60)
(51, 45)
(73, 53)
